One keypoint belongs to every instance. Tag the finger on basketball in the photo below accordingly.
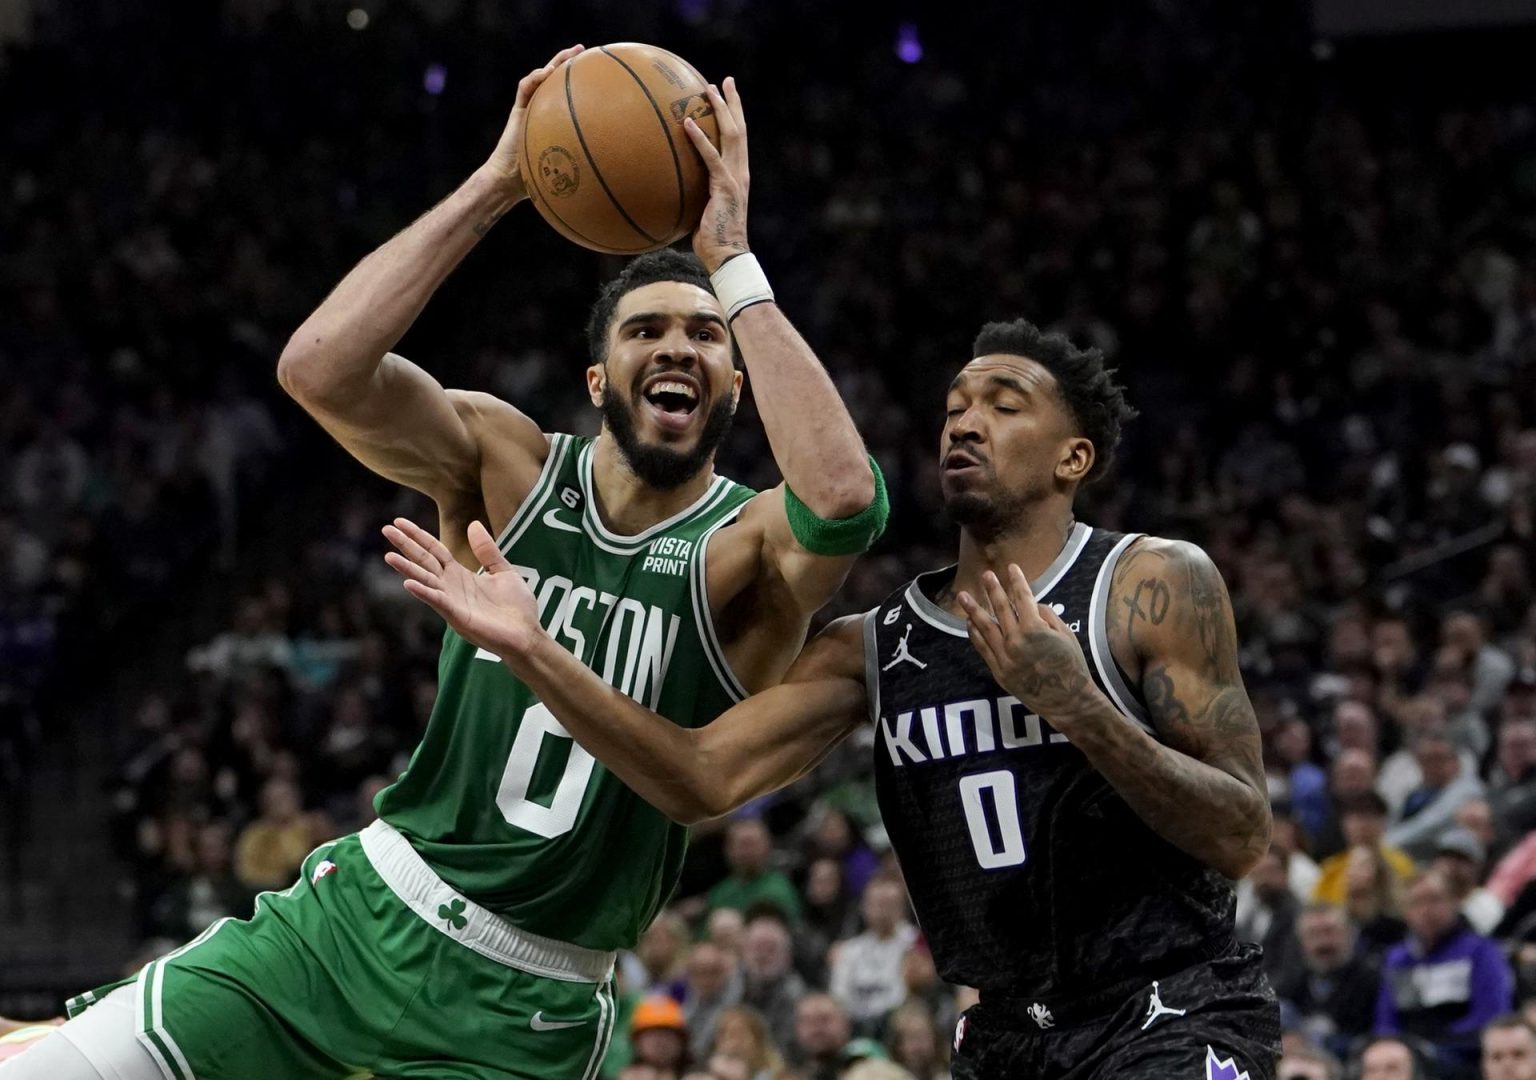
(702, 144)
(733, 99)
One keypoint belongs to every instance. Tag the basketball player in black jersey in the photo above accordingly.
(1066, 760)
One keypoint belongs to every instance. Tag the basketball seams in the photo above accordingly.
(570, 106)
(666, 130)
(531, 181)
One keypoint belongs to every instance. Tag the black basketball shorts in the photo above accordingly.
(1216, 1021)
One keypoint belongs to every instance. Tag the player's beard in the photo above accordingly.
(989, 513)
(660, 466)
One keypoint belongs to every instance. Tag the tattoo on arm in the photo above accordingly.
(1203, 789)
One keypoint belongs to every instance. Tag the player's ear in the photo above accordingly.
(1076, 460)
(736, 383)
(597, 381)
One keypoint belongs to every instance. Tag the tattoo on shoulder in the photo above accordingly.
(1176, 584)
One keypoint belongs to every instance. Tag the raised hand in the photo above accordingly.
(494, 610)
(722, 230)
(1032, 654)
(503, 161)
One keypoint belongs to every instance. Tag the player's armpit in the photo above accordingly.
(756, 747)
(1204, 788)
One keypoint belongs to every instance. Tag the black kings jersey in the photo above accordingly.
(1029, 875)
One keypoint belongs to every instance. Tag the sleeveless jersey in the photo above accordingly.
(1029, 875)
(498, 798)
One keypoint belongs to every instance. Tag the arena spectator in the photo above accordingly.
(1391, 1059)
(1446, 783)
(1271, 921)
(1351, 775)
(866, 974)
(270, 848)
(1373, 898)
(1299, 782)
(1445, 981)
(769, 982)
(1334, 991)
(1400, 773)
(1512, 783)
(748, 849)
(659, 1037)
(831, 836)
(712, 984)
(1459, 856)
(656, 966)
(924, 987)
(1489, 668)
(1509, 1049)
(1305, 1063)
(725, 928)
(830, 915)
(1363, 823)
(916, 1043)
(208, 892)
(742, 1037)
(821, 1031)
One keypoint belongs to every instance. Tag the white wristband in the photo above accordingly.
(740, 283)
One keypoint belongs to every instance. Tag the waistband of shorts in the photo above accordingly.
(1045, 1013)
(1026, 1013)
(466, 922)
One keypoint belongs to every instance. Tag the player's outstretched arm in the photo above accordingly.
(1202, 788)
(690, 775)
(815, 444)
(387, 412)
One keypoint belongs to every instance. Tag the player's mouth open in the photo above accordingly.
(959, 461)
(673, 400)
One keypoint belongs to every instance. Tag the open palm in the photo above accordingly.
(494, 610)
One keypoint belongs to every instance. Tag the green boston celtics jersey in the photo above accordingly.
(498, 798)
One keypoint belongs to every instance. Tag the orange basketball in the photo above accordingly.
(605, 156)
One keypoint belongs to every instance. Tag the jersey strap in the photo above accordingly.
(1110, 676)
(527, 513)
(708, 636)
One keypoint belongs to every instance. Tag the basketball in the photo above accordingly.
(605, 156)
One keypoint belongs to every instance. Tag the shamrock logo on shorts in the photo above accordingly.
(453, 914)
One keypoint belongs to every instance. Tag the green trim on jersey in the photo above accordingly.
(498, 799)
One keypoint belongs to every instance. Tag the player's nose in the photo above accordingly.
(676, 348)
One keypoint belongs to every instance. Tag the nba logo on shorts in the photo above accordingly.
(961, 1026)
(323, 867)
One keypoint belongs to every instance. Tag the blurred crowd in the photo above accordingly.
(1323, 302)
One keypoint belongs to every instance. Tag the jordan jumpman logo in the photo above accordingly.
(903, 653)
(1156, 1008)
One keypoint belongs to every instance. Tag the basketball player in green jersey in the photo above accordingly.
(471, 932)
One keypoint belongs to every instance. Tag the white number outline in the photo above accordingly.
(1005, 801)
(559, 817)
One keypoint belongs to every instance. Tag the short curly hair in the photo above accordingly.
(1088, 388)
(668, 264)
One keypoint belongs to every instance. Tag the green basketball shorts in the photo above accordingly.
(370, 965)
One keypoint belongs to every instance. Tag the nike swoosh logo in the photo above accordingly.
(538, 1023)
(552, 519)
